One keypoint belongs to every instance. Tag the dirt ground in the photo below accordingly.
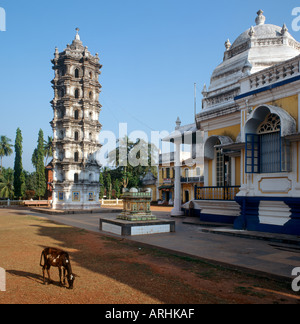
(116, 271)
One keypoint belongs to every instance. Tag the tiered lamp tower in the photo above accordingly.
(76, 127)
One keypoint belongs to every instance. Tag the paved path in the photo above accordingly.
(267, 254)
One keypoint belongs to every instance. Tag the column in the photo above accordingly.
(176, 211)
(157, 182)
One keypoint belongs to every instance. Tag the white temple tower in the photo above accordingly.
(76, 127)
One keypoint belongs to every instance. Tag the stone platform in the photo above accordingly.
(132, 228)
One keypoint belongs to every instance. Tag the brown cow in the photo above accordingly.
(60, 259)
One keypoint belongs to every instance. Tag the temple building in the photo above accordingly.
(250, 118)
(76, 127)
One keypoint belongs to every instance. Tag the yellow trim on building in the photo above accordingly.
(231, 131)
(289, 104)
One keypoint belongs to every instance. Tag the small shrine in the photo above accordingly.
(136, 206)
(136, 217)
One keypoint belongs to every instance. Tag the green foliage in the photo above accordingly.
(102, 189)
(34, 158)
(40, 188)
(6, 183)
(48, 149)
(5, 148)
(19, 177)
(117, 188)
(19, 183)
(131, 161)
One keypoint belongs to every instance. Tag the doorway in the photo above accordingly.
(187, 196)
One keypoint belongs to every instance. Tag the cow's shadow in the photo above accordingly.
(32, 276)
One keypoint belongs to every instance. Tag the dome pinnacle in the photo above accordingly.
(77, 37)
(260, 19)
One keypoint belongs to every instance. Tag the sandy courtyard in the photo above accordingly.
(116, 271)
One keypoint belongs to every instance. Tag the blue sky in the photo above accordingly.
(152, 53)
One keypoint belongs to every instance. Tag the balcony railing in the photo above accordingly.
(191, 179)
(216, 193)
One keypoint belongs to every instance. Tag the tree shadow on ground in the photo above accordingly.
(121, 261)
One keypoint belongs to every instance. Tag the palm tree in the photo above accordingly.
(5, 148)
(48, 148)
(7, 184)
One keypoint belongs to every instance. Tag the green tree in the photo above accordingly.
(117, 188)
(6, 184)
(102, 188)
(108, 186)
(5, 148)
(40, 168)
(34, 158)
(30, 183)
(19, 177)
(48, 151)
(133, 160)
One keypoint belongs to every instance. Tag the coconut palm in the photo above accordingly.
(5, 148)
(7, 184)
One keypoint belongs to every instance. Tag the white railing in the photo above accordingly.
(26, 203)
(111, 202)
(271, 75)
(9, 202)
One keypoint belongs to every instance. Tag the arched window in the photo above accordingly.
(76, 73)
(266, 151)
(76, 157)
(91, 95)
(270, 144)
(76, 114)
(76, 178)
(76, 136)
(76, 93)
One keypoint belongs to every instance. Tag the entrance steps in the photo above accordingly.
(220, 211)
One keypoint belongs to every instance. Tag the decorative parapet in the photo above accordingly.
(268, 76)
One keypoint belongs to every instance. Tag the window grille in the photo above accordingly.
(270, 153)
(267, 152)
(220, 167)
(270, 125)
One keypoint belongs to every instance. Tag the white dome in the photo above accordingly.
(260, 32)
(255, 49)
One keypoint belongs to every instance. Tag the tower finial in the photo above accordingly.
(260, 19)
(77, 37)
